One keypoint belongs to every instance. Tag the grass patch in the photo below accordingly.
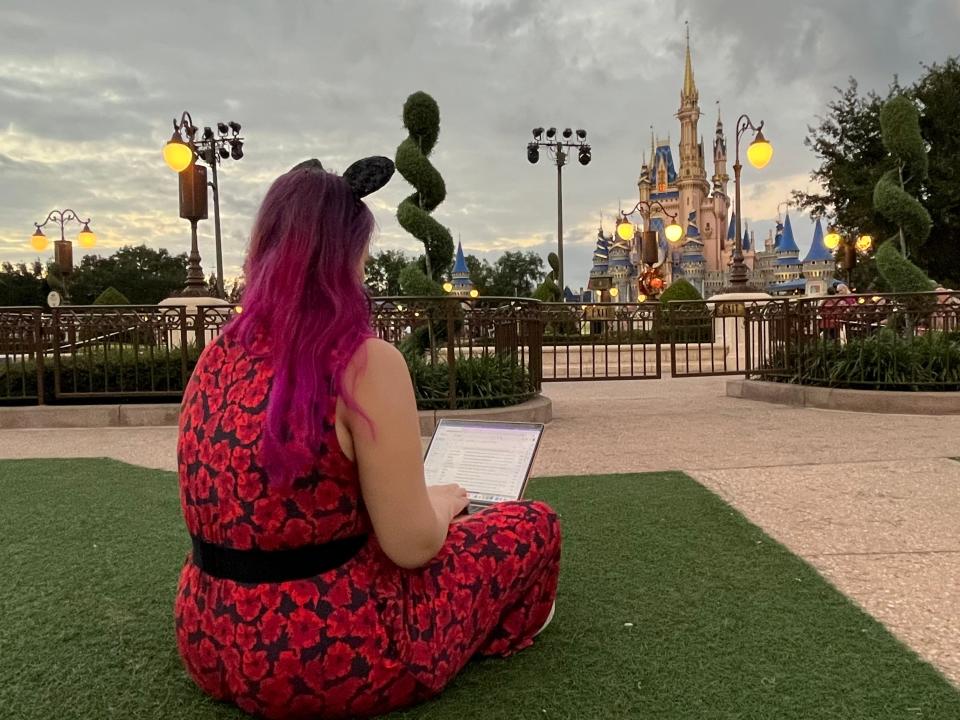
(726, 623)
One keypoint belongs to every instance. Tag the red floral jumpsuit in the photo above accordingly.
(362, 639)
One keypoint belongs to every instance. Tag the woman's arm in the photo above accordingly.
(409, 519)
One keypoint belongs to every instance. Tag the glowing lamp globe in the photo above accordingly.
(614, 292)
(238, 309)
(38, 241)
(673, 232)
(448, 287)
(474, 293)
(641, 298)
(87, 238)
(177, 154)
(864, 243)
(832, 240)
(760, 152)
(625, 229)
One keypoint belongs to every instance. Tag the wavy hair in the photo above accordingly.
(304, 296)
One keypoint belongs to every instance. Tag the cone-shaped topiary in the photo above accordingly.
(898, 273)
(900, 128)
(421, 117)
(111, 296)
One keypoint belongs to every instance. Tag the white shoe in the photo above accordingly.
(553, 610)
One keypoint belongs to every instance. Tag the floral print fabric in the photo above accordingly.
(362, 639)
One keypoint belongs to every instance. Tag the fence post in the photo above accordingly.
(450, 303)
(184, 346)
(55, 334)
(38, 353)
(200, 327)
(534, 333)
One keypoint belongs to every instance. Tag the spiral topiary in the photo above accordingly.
(900, 129)
(421, 118)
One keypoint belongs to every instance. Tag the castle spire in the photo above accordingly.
(689, 85)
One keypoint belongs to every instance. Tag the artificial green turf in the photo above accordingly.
(725, 622)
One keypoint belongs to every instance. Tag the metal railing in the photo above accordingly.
(872, 342)
(483, 352)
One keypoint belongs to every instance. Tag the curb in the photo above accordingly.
(865, 401)
(540, 409)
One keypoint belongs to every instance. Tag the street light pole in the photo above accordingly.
(63, 248)
(181, 153)
(561, 161)
(759, 154)
(555, 147)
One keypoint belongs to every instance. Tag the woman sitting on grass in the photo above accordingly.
(326, 579)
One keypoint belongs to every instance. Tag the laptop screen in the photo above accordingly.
(491, 460)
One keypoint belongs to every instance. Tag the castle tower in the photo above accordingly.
(788, 266)
(720, 176)
(460, 277)
(692, 181)
(819, 265)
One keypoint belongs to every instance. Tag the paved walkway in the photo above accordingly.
(871, 501)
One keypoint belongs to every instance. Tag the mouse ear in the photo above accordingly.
(368, 175)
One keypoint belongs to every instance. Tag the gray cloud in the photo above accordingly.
(88, 91)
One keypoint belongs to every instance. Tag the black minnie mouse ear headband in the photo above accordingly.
(364, 176)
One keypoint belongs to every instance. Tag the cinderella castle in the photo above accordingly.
(681, 193)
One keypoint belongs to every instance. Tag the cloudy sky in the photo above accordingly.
(88, 91)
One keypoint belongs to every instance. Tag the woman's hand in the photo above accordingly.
(448, 501)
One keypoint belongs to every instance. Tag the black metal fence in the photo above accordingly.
(485, 352)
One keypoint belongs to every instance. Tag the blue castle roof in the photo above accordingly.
(787, 243)
(460, 266)
(745, 244)
(693, 231)
(778, 236)
(664, 154)
(732, 230)
(818, 251)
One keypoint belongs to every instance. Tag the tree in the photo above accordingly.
(481, 274)
(421, 118)
(22, 284)
(849, 146)
(383, 271)
(516, 273)
(144, 275)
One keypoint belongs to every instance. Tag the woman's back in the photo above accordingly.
(226, 496)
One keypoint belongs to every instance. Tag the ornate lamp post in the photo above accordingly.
(649, 254)
(181, 153)
(555, 147)
(63, 248)
(759, 153)
(851, 248)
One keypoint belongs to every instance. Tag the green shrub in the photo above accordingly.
(680, 289)
(883, 361)
(689, 322)
(481, 382)
(96, 371)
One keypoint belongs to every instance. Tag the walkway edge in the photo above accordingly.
(540, 409)
(865, 401)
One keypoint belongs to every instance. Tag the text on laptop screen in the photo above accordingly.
(490, 460)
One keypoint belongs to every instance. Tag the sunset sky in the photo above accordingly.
(88, 91)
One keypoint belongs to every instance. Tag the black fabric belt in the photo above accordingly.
(272, 566)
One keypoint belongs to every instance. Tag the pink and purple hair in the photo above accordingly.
(304, 296)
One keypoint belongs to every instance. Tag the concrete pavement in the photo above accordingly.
(871, 501)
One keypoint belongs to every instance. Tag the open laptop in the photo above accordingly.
(490, 460)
